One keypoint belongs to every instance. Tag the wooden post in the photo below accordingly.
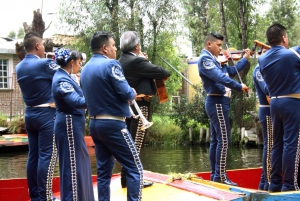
(201, 134)
(207, 134)
(243, 132)
(190, 134)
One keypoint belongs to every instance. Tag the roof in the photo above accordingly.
(8, 47)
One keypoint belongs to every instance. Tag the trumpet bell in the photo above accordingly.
(147, 125)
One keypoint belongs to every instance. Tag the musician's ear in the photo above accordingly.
(37, 46)
(208, 43)
(104, 48)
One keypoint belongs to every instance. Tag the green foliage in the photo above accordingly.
(87, 123)
(12, 35)
(285, 12)
(190, 114)
(164, 131)
(235, 138)
(17, 125)
(3, 120)
(195, 16)
(20, 33)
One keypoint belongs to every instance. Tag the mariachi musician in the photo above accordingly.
(140, 74)
(217, 84)
(264, 117)
(34, 76)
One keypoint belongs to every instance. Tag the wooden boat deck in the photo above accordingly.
(163, 190)
(157, 192)
(13, 140)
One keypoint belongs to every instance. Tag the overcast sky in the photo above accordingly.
(14, 12)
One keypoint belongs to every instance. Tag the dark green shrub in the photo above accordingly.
(164, 131)
(17, 125)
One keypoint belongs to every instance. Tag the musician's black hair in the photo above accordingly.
(274, 34)
(99, 39)
(213, 37)
(30, 39)
(217, 36)
(74, 55)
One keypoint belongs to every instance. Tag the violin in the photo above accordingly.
(234, 55)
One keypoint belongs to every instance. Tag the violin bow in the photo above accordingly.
(235, 67)
(176, 70)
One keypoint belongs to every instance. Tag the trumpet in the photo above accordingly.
(132, 114)
(146, 123)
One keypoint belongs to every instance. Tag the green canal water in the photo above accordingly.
(178, 159)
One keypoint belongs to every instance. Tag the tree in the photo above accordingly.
(21, 33)
(37, 26)
(197, 22)
(223, 21)
(285, 12)
(161, 16)
(12, 35)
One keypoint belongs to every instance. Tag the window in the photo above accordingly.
(4, 74)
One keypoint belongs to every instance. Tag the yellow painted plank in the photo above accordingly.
(157, 192)
(211, 183)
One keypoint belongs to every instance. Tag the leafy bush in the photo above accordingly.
(17, 125)
(3, 120)
(190, 114)
(164, 131)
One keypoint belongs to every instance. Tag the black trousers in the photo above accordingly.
(134, 126)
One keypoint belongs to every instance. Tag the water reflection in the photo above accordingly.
(157, 159)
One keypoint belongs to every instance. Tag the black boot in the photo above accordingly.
(147, 183)
(123, 178)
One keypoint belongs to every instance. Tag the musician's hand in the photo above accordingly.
(247, 53)
(245, 88)
(145, 55)
(135, 94)
(268, 99)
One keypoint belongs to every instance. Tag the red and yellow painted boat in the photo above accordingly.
(17, 140)
(13, 140)
(164, 189)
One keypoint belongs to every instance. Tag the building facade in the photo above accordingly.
(11, 103)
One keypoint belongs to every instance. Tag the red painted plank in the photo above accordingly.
(246, 178)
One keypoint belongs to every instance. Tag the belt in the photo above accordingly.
(107, 116)
(227, 94)
(52, 105)
(143, 97)
(287, 96)
(264, 105)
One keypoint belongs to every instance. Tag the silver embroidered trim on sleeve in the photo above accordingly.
(66, 87)
(117, 72)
